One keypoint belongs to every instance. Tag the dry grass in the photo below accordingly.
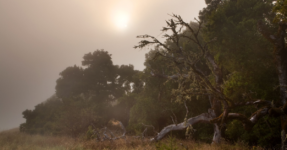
(14, 140)
(135, 144)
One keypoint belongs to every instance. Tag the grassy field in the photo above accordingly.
(14, 140)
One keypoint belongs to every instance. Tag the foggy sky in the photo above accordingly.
(40, 38)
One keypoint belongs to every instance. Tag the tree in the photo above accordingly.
(278, 40)
(244, 55)
(193, 81)
(70, 82)
(100, 78)
(157, 93)
(80, 112)
(90, 92)
(43, 119)
(84, 96)
(153, 95)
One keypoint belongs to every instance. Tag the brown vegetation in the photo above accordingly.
(14, 140)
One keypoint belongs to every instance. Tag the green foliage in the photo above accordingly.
(42, 119)
(244, 56)
(71, 82)
(234, 24)
(247, 60)
(80, 112)
(203, 132)
(70, 116)
(90, 133)
(264, 133)
(154, 95)
(155, 105)
(144, 111)
(100, 78)
(84, 97)
(124, 104)
(280, 9)
(171, 145)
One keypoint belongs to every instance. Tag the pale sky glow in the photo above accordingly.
(121, 13)
(121, 19)
(40, 38)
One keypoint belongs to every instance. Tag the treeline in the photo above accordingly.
(99, 91)
(84, 96)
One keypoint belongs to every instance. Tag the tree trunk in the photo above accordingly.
(281, 62)
(202, 118)
(280, 53)
(217, 134)
(280, 57)
(216, 103)
(283, 131)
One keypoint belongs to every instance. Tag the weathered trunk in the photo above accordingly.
(216, 70)
(283, 132)
(248, 123)
(217, 134)
(202, 118)
(280, 53)
(280, 56)
(216, 106)
(216, 103)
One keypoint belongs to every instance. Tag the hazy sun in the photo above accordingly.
(121, 20)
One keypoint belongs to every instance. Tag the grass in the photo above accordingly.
(15, 140)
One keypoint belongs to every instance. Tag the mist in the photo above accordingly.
(39, 39)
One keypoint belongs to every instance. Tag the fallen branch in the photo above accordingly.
(248, 123)
(202, 118)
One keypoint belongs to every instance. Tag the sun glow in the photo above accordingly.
(121, 11)
(121, 20)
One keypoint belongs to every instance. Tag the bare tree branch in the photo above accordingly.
(248, 123)
(186, 108)
(257, 102)
(203, 118)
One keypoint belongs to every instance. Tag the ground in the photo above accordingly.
(15, 140)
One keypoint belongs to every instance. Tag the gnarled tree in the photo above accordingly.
(193, 80)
